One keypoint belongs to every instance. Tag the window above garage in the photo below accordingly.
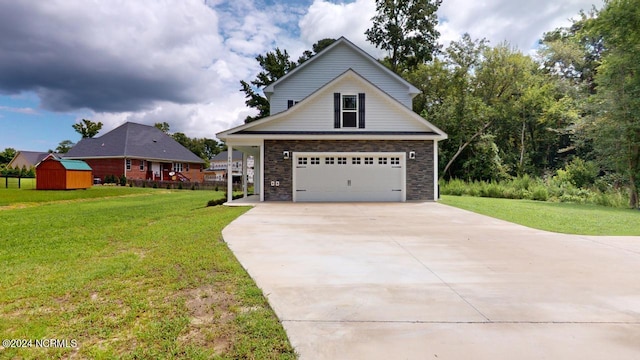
(349, 111)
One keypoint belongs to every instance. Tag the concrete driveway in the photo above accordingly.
(429, 281)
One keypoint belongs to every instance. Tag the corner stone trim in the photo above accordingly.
(419, 170)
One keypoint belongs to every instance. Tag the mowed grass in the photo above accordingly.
(557, 217)
(12, 183)
(131, 277)
(17, 197)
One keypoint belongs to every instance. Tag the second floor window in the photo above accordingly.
(349, 110)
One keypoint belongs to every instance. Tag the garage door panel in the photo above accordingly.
(349, 177)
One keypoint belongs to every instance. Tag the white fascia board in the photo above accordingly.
(337, 136)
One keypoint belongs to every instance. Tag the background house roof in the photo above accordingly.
(27, 158)
(237, 156)
(131, 140)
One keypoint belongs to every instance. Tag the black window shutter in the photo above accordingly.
(289, 104)
(336, 110)
(361, 110)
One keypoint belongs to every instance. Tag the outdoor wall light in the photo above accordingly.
(285, 154)
(412, 155)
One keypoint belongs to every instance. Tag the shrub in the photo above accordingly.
(579, 173)
(123, 180)
(539, 192)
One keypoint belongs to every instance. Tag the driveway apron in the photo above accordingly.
(429, 281)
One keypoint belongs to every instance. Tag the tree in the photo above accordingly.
(7, 155)
(617, 98)
(317, 47)
(406, 29)
(163, 126)
(64, 146)
(274, 65)
(87, 128)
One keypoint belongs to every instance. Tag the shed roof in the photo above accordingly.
(75, 165)
(68, 164)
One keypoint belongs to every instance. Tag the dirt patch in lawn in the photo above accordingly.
(210, 312)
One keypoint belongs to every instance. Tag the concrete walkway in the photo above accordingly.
(429, 281)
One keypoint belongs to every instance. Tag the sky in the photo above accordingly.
(181, 61)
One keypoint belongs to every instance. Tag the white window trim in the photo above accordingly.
(355, 111)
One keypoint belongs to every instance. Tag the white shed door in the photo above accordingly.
(349, 177)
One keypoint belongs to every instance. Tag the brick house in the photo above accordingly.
(139, 152)
(341, 129)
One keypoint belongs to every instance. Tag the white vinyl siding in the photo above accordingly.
(382, 113)
(329, 66)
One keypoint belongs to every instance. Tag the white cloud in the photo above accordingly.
(521, 23)
(325, 19)
(181, 61)
(21, 110)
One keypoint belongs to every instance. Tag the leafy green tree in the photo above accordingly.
(7, 155)
(317, 47)
(163, 126)
(406, 29)
(616, 134)
(275, 65)
(64, 146)
(87, 128)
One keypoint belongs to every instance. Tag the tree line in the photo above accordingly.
(575, 103)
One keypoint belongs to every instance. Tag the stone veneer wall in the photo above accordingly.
(276, 168)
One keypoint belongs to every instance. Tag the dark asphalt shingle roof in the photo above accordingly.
(237, 155)
(133, 140)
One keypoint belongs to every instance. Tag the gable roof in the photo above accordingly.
(342, 41)
(222, 156)
(75, 164)
(430, 130)
(27, 158)
(132, 140)
(68, 164)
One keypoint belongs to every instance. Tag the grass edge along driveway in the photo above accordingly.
(143, 276)
(564, 218)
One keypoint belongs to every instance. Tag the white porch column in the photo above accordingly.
(259, 169)
(229, 173)
(257, 185)
(435, 171)
(244, 174)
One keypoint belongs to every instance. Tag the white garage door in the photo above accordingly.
(349, 177)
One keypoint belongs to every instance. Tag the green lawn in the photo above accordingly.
(129, 273)
(27, 197)
(12, 183)
(557, 217)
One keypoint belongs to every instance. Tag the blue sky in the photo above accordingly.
(181, 62)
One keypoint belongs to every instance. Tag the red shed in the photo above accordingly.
(62, 174)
